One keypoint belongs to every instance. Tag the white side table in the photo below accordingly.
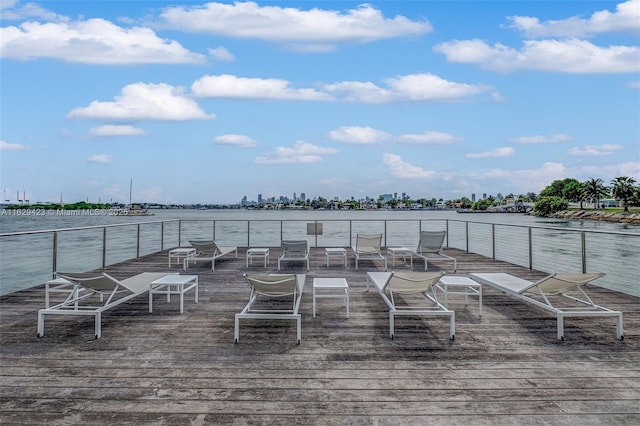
(455, 284)
(257, 253)
(331, 284)
(173, 284)
(181, 253)
(336, 252)
(402, 252)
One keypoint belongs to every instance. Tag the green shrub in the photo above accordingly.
(546, 206)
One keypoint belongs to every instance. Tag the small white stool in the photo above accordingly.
(402, 252)
(257, 253)
(460, 285)
(181, 253)
(331, 284)
(173, 284)
(336, 252)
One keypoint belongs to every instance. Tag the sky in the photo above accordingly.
(208, 102)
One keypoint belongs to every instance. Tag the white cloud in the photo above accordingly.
(412, 87)
(626, 18)
(539, 139)
(100, 158)
(595, 150)
(315, 29)
(403, 170)
(430, 138)
(6, 146)
(409, 88)
(358, 135)
(299, 152)
(235, 140)
(494, 153)
(140, 101)
(221, 54)
(633, 84)
(12, 10)
(94, 41)
(229, 86)
(569, 56)
(116, 130)
(369, 135)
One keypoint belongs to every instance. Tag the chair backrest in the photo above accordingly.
(560, 283)
(431, 241)
(204, 247)
(295, 248)
(413, 282)
(274, 285)
(91, 280)
(368, 243)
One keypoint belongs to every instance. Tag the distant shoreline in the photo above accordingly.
(633, 218)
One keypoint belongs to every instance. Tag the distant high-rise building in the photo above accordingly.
(303, 197)
(260, 198)
(473, 198)
(395, 195)
(295, 197)
(484, 196)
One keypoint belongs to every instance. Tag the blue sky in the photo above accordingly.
(209, 102)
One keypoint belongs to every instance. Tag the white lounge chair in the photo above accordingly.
(296, 251)
(96, 293)
(389, 285)
(368, 247)
(208, 251)
(431, 246)
(541, 293)
(273, 296)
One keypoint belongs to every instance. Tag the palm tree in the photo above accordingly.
(622, 188)
(595, 189)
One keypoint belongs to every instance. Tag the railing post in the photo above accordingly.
(530, 250)
(248, 233)
(315, 233)
(55, 254)
(104, 247)
(213, 236)
(162, 236)
(138, 242)
(583, 243)
(493, 241)
(179, 232)
(466, 231)
(385, 233)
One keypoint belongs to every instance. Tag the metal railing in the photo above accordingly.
(31, 257)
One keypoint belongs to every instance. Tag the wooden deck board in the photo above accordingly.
(170, 368)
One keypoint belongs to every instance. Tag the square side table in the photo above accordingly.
(257, 253)
(336, 252)
(455, 284)
(181, 253)
(173, 284)
(402, 252)
(338, 287)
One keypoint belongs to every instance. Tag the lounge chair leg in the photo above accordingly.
(236, 330)
(391, 331)
(452, 326)
(560, 327)
(619, 327)
(98, 326)
(40, 324)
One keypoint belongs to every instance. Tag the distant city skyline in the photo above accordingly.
(198, 101)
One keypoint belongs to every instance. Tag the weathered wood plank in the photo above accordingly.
(166, 368)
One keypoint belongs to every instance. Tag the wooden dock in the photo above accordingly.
(167, 368)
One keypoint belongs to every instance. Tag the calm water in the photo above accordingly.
(26, 261)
